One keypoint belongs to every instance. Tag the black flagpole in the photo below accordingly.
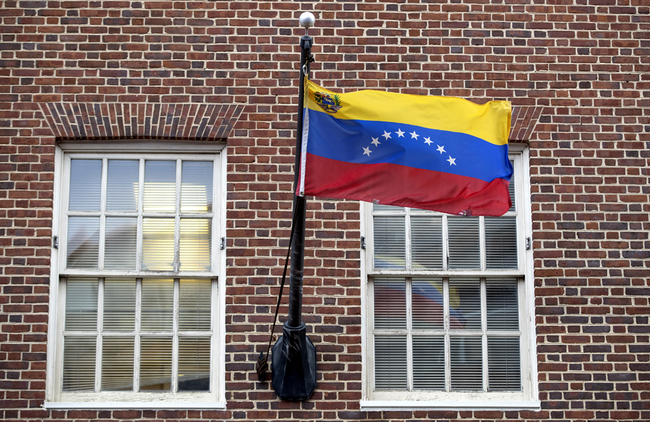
(294, 355)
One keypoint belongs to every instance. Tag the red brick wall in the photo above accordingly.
(584, 64)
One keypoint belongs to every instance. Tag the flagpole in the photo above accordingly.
(294, 355)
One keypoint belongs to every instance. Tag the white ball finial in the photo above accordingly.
(307, 20)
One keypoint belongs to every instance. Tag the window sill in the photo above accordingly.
(134, 405)
(373, 405)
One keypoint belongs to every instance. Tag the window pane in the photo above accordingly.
(79, 363)
(464, 242)
(85, 185)
(501, 242)
(196, 187)
(81, 304)
(121, 243)
(193, 364)
(428, 363)
(195, 245)
(194, 312)
(119, 304)
(158, 244)
(428, 304)
(511, 190)
(83, 242)
(157, 304)
(390, 303)
(390, 363)
(117, 364)
(390, 243)
(504, 364)
(160, 186)
(123, 185)
(465, 304)
(426, 238)
(466, 363)
(155, 363)
(380, 207)
(502, 305)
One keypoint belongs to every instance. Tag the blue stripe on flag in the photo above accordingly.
(366, 142)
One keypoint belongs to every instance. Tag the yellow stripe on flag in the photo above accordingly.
(440, 113)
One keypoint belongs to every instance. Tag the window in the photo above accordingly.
(450, 307)
(137, 308)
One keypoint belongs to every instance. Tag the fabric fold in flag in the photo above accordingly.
(437, 153)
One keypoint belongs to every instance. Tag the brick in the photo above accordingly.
(575, 74)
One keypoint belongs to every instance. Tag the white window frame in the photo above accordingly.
(213, 399)
(446, 400)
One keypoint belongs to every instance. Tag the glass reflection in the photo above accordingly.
(160, 186)
(158, 244)
(119, 304)
(195, 245)
(155, 364)
(194, 307)
(85, 185)
(390, 242)
(117, 364)
(390, 363)
(81, 304)
(196, 187)
(120, 243)
(193, 364)
(464, 243)
(426, 241)
(83, 242)
(380, 207)
(500, 242)
(390, 303)
(157, 304)
(122, 191)
(502, 304)
(428, 363)
(79, 363)
(466, 363)
(465, 304)
(511, 190)
(504, 367)
(428, 304)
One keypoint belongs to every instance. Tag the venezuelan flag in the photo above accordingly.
(437, 153)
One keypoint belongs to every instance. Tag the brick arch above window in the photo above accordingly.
(151, 120)
(186, 121)
(523, 121)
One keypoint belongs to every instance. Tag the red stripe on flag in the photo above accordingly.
(392, 184)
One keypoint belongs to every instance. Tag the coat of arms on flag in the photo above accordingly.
(328, 102)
